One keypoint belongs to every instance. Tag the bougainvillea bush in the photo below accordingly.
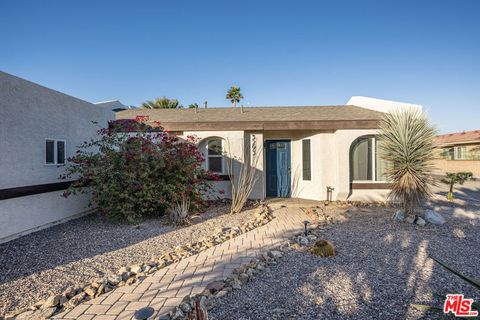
(133, 170)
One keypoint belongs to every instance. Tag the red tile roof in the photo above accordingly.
(458, 137)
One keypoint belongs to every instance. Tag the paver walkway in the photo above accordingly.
(166, 288)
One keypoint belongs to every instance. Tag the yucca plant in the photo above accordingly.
(406, 144)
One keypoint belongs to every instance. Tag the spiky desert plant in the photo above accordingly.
(323, 248)
(180, 211)
(242, 185)
(406, 144)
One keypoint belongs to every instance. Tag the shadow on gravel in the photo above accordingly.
(75, 240)
(379, 273)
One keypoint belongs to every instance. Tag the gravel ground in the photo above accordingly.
(78, 251)
(381, 268)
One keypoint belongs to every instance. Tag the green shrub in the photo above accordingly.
(133, 171)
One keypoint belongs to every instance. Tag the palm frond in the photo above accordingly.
(473, 282)
(162, 103)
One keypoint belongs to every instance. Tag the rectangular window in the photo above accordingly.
(61, 152)
(55, 151)
(461, 153)
(306, 160)
(50, 152)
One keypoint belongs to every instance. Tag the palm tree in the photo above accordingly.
(406, 144)
(234, 95)
(162, 103)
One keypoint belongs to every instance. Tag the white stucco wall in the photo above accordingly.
(29, 114)
(19, 216)
(381, 105)
(330, 162)
(234, 143)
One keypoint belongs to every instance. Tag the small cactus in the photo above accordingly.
(323, 248)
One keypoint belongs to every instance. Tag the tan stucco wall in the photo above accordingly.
(443, 166)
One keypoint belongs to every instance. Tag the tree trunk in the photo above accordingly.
(234, 103)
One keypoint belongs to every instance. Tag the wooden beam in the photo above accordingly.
(16, 192)
(370, 185)
(271, 125)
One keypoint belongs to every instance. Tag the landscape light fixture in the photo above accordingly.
(306, 223)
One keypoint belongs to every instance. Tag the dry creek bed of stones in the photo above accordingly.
(59, 259)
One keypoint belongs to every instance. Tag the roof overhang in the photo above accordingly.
(271, 125)
(451, 144)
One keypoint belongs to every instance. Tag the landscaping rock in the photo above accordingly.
(90, 291)
(177, 314)
(47, 313)
(185, 307)
(27, 315)
(410, 219)
(420, 222)
(303, 241)
(74, 301)
(275, 254)
(52, 301)
(399, 215)
(243, 277)
(221, 293)
(215, 286)
(135, 269)
(69, 292)
(434, 217)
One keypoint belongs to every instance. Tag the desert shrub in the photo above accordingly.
(408, 148)
(133, 171)
(323, 248)
(453, 178)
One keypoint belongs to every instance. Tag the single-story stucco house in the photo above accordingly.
(457, 152)
(39, 129)
(301, 150)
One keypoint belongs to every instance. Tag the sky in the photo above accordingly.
(278, 52)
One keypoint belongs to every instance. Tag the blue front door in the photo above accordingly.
(278, 168)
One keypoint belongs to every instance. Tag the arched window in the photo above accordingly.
(214, 155)
(365, 161)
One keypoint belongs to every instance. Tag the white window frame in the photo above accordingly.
(207, 156)
(373, 140)
(55, 152)
(457, 153)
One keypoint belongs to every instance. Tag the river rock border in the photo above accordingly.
(128, 275)
(196, 307)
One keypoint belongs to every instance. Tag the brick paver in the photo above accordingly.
(166, 288)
